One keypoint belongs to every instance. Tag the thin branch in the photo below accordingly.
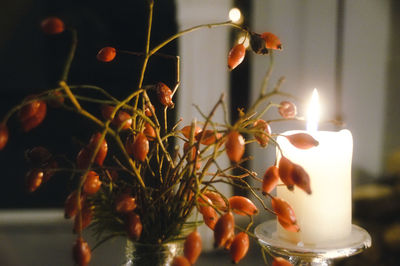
(177, 35)
(71, 55)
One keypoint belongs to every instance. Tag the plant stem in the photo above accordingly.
(71, 55)
(177, 35)
(149, 24)
(147, 56)
(71, 96)
(267, 75)
(262, 98)
(103, 91)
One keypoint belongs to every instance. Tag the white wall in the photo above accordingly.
(203, 56)
(364, 80)
(204, 72)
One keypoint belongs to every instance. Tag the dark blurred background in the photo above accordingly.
(32, 62)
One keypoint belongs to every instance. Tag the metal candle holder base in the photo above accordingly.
(321, 254)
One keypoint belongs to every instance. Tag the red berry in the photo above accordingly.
(125, 203)
(289, 226)
(302, 140)
(106, 111)
(210, 219)
(271, 179)
(192, 247)
(29, 109)
(285, 172)
(293, 174)
(300, 178)
(262, 138)
(3, 136)
(278, 261)
(235, 146)
(283, 210)
(210, 216)
(236, 56)
(83, 158)
(121, 120)
(186, 131)
(216, 199)
(204, 206)
(271, 41)
(92, 183)
(134, 226)
(81, 252)
(287, 109)
(149, 110)
(242, 205)
(32, 114)
(164, 94)
(149, 131)
(228, 242)
(239, 247)
(208, 137)
(52, 25)
(34, 179)
(139, 147)
(38, 156)
(71, 204)
(224, 229)
(180, 261)
(102, 153)
(106, 54)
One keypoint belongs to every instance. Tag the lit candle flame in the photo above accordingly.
(313, 113)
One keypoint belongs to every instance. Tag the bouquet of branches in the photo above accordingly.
(149, 186)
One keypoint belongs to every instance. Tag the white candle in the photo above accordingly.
(325, 215)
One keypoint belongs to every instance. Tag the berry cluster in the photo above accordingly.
(147, 177)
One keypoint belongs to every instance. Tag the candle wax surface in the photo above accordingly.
(325, 215)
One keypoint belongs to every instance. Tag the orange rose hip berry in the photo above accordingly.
(92, 183)
(234, 146)
(270, 180)
(287, 109)
(224, 229)
(164, 94)
(262, 138)
(239, 247)
(52, 25)
(283, 210)
(192, 246)
(242, 205)
(271, 41)
(106, 54)
(81, 252)
(236, 56)
(140, 147)
(3, 136)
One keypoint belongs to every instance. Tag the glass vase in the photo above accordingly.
(150, 254)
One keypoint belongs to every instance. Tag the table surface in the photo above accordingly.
(44, 237)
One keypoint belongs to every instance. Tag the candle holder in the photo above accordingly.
(320, 254)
